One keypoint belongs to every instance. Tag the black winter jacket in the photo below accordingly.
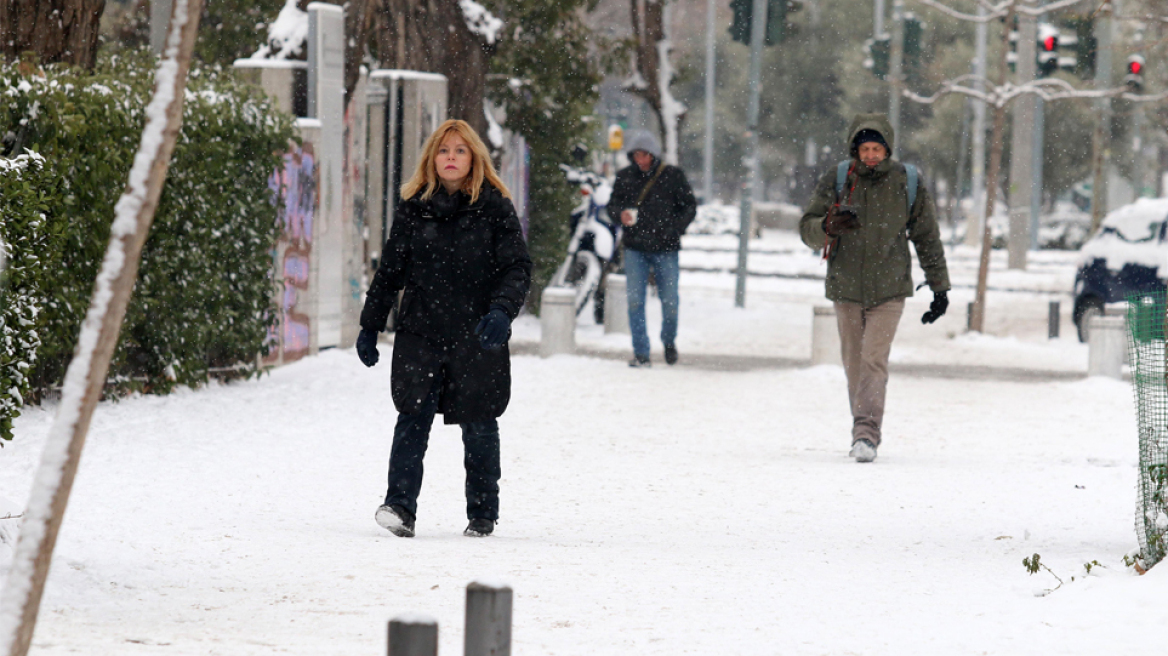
(664, 214)
(455, 261)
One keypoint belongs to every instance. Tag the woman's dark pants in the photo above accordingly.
(481, 442)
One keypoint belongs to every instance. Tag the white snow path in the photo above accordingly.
(667, 511)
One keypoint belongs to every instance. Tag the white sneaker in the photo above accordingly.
(863, 451)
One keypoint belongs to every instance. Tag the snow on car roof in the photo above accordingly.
(1129, 236)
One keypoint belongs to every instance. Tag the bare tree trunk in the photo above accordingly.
(432, 36)
(648, 20)
(358, 18)
(56, 30)
(977, 315)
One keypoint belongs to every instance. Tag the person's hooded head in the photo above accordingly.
(644, 142)
(870, 138)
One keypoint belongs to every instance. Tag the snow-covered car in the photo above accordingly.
(1128, 255)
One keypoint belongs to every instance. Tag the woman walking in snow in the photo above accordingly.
(456, 250)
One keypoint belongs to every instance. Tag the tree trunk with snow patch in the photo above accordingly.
(56, 30)
(653, 71)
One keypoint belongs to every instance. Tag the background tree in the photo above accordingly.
(440, 36)
(545, 78)
(56, 30)
(652, 71)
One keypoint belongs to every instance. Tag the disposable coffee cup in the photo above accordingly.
(633, 213)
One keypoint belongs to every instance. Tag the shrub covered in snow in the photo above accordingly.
(204, 297)
(30, 238)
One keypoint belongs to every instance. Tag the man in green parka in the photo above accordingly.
(863, 214)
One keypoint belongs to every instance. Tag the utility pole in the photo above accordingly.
(1022, 137)
(1101, 143)
(708, 155)
(878, 20)
(1036, 166)
(896, 71)
(757, 28)
(977, 165)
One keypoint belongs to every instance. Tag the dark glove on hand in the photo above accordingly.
(367, 347)
(841, 221)
(936, 308)
(493, 329)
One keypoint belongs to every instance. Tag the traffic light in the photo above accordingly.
(913, 32)
(1078, 36)
(1048, 44)
(879, 53)
(743, 14)
(776, 24)
(1135, 74)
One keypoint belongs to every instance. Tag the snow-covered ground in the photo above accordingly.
(675, 510)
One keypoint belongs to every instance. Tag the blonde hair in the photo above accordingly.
(425, 178)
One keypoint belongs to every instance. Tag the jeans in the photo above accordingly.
(638, 264)
(480, 440)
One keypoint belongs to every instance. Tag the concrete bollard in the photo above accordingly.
(557, 321)
(1107, 346)
(413, 635)
(616, 304)
(1054, 316)
(488, 620)
(825, 341)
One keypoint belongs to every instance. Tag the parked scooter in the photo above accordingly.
(593, 246)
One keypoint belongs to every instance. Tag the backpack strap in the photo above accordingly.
(913, 180)
(841, 176)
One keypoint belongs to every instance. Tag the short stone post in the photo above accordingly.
(413, 635)
(488, 620)
(825, 341)
(1106, 346)
(616, 304)
(1052, 320)
(557, 321)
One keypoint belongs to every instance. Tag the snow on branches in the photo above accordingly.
(480, 21)
(1047, 89)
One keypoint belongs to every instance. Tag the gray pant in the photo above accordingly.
(865, 341)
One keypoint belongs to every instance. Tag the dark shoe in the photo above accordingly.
(396, 520)
(640, 361)
(863, 450)
(479, 528)
(670, 354)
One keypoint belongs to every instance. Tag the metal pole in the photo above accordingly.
(1101, 142)
(1036, 170)
(955, 191)
(895, 72)
(977, 163)
(878, 22)
(1138, 149)
(757, 27)
(708, 155)
(1021, 178)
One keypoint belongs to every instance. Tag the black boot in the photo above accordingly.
(396, 520)
(479, 528)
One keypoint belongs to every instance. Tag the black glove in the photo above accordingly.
(936, 308)
(493, 328)
(841, 220)
(367, 347)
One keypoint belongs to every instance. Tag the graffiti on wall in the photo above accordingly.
(295, 185)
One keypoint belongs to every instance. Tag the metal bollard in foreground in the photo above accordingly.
(825, 341)
(1107, 346)
(616, 304)
(488, 620)
(1052, 321)
(413, 635)
(557, 321)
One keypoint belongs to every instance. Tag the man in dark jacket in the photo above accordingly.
(864, 229)
(655, 204)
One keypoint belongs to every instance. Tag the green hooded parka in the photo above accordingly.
(872, 265)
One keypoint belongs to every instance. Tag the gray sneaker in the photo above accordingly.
(863, 451)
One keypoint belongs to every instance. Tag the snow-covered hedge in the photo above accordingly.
(30, 241)
(204, 297)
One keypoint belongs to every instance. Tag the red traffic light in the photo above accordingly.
(1050, 43)
(1135, 68)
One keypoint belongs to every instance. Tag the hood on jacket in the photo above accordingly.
(875, 122)
(646, 141)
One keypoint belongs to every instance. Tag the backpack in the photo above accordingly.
(841, 177)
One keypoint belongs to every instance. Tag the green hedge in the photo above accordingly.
(30, 238)
(204, 297)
